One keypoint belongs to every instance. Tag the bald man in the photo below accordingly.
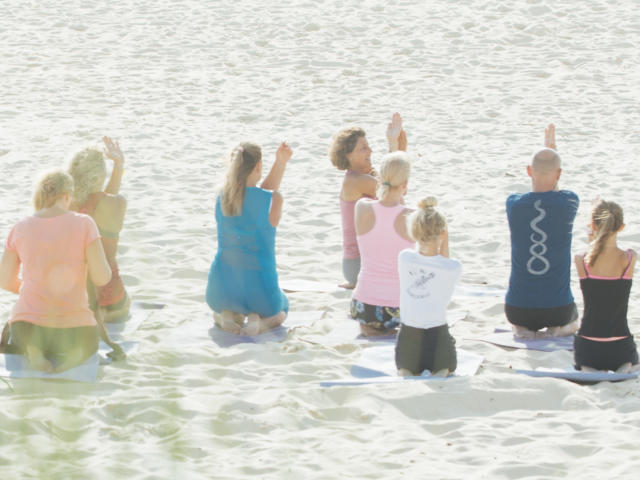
(539, 302)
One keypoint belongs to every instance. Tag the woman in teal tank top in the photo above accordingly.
(243, 286)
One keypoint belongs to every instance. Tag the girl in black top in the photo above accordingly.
(604, 341)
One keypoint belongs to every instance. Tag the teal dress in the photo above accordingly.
(243, 275)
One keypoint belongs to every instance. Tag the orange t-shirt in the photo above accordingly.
(54, 270)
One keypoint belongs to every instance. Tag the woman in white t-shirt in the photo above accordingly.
(427, 279)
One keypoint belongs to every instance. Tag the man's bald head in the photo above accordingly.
(545, 161)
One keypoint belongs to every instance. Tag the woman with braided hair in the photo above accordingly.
(242, 289)
(604, 341)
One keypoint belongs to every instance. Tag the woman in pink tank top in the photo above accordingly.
(350, 151)
(381, 231)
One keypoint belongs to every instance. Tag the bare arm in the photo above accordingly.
(632, 265)
(274, 178)
(579, 262)
(113, 152)
(359, 185)
(444, 246)
(550, 136)
(99, 269)
(117, 353)
(9, 270)
(275, 212)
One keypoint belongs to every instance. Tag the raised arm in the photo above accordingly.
(273, 180)
(113, 152)
(396, 136)
(9, 270)
(550, 137)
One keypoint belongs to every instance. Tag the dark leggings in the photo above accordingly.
(604, 355)
(420, 349)
(54, 343)
(538, 318)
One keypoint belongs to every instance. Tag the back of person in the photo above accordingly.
(426, 288)
(378, 282)
(54, 272)
(541, 225)
(243, 277)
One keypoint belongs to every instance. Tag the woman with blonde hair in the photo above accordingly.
(427, 279)
(242, 288)
(604, 341)
(107, 207)
(381, 232)
(51, 323)
(350, 151)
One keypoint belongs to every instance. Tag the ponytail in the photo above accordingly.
(243, 160)
(607, 217)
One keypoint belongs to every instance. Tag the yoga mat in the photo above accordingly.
(294, 319)
(579, 376)
(470, 290)
(125, 326)
(348, 331)
(299, 285)
(378, 365)
(503, 337)
(16, 366)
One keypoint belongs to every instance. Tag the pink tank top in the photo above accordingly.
(347, 211)
(378, 281)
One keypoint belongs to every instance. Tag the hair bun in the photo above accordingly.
(428, 202)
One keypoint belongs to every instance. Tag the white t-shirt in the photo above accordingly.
(426, 287)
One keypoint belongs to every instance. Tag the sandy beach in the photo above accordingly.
(179, 83)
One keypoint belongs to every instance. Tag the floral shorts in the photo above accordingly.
(374, 316)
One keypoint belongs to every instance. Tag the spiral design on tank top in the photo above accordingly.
(538, 248)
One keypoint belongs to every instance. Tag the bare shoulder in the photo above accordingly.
(356, 185)
(276, 196)
(114, 201)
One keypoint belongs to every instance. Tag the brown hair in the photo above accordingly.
(343, 144)
(243, 160)
(426, 223)
(51, 187)
(608, 218)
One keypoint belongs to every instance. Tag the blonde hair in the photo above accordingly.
(394, 171)
(243, 160)
(608, 218)
(426, 223)
(89, 172)
(51, 187)
(343, 144)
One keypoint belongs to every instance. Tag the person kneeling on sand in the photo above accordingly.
(242, 289)
(541, 223)
(51, 323)
(604, 341)
(107, 208)
(350, 151)
(381, 230)
(427, 279)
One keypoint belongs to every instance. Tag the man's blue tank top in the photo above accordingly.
(541, 225)
(243, 275)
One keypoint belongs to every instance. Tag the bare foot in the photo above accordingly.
(270, 323)
(564, 331)
(253, 325)
(441, 373)
(368, 331)
(590, 369)
(624, 368)
(404, 372)
(37, 361)
(522, 332)
(347, 285)
(227, 322)
(634, 368)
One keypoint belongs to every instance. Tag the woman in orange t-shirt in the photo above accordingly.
(51, 323)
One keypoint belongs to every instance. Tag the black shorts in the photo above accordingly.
(374, 316)
(537, 318)
(54, 343)
(420, 349)
(604, 355)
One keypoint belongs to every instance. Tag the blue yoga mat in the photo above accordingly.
(503, 337)
(579, 376)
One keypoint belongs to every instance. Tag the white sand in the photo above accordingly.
(179, 83)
